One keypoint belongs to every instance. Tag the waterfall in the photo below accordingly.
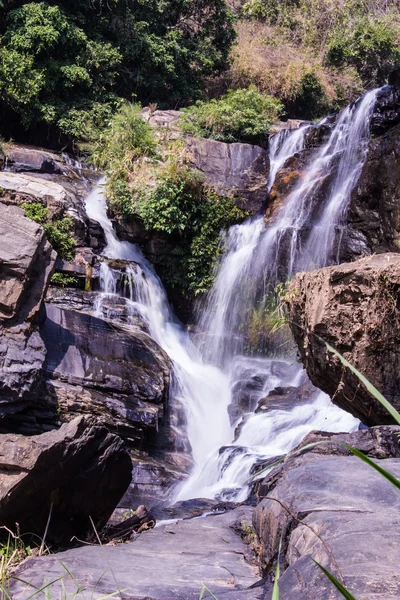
(257, 255)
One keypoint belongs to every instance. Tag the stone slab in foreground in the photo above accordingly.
(172, 561)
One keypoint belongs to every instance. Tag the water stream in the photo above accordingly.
(210, 374)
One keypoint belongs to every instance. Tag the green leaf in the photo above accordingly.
(345, 593)
(275, 590)
(372, 464)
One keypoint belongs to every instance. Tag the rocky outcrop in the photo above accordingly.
(340, 512)
(64, 478)
(35, 175)
(355, 308)
(116, 373)
(171, 562)
(26, 265)
(236, 170)
(374, 210)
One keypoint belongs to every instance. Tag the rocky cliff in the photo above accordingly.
(355, 308)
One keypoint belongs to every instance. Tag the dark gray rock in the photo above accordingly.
(237, 170)
(29, 158)
(374, 213)
(355, 308)
(74, 473)
(352, 508)
(26, 265)
(171, 562)
(115, 372)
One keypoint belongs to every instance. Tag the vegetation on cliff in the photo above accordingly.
(149, 178)
(68, 65)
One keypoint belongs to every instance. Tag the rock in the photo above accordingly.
(237, 170)
(29, 158)
(26, 265)
(386, 112)
(77, 472)
(352, 508)
(374, 210)
(355, 308)
(124, 381)
(62, 195)
(26, 262)
(170, 562)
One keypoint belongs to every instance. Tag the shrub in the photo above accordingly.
(240, 115)
(64, 280)
(58, 231)
(371, 46)
(182, 206)
(127, 137)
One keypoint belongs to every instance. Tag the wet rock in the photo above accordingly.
(339, 512)
(123, 381)
(355, 308)
(237, 170)
(170, 562)
(152, 482)
(386, 112)
(374, 213)
(77, 472)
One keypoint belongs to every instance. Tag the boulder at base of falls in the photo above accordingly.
(112, 371)
(355, 308)
(26, 265)
(340, 512)
(171, 562)
(68, 477)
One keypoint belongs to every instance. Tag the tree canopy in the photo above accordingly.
(68, 64)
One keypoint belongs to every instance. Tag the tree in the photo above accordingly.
(68, 64)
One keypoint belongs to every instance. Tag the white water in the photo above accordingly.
(253, 253)
(196, 384)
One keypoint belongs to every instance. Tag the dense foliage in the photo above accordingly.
(181, 205)
(58, 231)
(68, 64)
(148, 179)
(239, 116)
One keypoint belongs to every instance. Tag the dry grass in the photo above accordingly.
(266, 57)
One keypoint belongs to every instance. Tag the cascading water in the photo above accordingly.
(196, 383)
(206, 377)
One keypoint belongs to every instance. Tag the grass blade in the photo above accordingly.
(373, 465)
(275, 590)
(371, 388)
(205, 589)
(345, 593)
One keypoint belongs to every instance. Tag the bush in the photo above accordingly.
(194, 215)
(64, 280)
(371, 46)
(242, 115)
(291, 71)
(127, 137)
(58, 231)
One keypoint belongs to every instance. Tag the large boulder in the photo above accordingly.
(96, 367)
(65, 477)
(26, 265)
(354, 307)
(236, 170)
(171, 562)
(340, 512)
